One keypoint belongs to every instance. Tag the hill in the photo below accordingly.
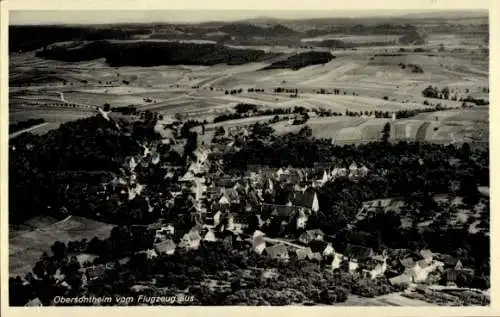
(27, 37)
(137, 53)
(249, 30)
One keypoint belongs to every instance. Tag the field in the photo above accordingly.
(28, 242)
(368, 78)
(394, 299)
(357, 39)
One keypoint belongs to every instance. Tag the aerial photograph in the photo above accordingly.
(267, 158)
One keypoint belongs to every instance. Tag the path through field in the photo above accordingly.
(30, 129)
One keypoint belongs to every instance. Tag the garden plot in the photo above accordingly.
(26, 246)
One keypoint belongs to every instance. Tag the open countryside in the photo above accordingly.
(259, 162)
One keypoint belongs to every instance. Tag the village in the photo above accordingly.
(245, 209)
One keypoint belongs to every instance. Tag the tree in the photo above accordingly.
(430, 92)
(58, 249)
(386, 132)
(305, 131)
(39, 269)
(465, 151)
(468, 190)
(446, 92)
(219, 131)
(191, 144)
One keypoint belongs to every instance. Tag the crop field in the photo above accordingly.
(358, 39)
(27, 245)
(369, 79)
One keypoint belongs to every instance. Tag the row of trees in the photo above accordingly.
(444, 93)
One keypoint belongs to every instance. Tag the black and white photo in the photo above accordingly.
(257, 158)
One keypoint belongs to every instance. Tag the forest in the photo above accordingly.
(65, 166)
(301, 60)
(28, 37)
(155, 53)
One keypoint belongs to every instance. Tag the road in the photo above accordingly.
(278, 240)
(13, 135)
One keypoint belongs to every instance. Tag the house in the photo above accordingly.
(227, 237)
(301, 219)
(34, 303)
(284, 212)
(383, 205)
(191, 240)
(150, 253)
(210, 236)
(258, 233)
(303, 253)
(217, 218)
(164, 232)
(95, 272)
(451, 277)
(188, 177)
(419, 270)
(352, 266)
(258, 244)
(307, 199)
(278, 252)
(311, 235)
(324, 179)
(363, 171)
(335, 260)
(426, 255)
(315, 256)
(168, 247)
(353, 167)
(358, 252)
(321, 247)
(223, 200)
(375, 267)
(402, 279)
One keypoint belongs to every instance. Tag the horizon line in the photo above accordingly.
(266, 14)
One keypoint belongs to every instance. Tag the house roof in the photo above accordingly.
(96, 271)
(370, 264)
(398, 253)
(448, 260)
(315, 232)
(407, 262)
(34, 302)
(401, 279)
(276, 250)
(258, 241)
(231, 194)
(284, 211)
(378, 257)
(258, 233)
(315, 256)
(358, 252)
(426, 254)
(318, 245)
(165, 246)
(209, 233)
(223, 200)
(303, 253)
(304, 199)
